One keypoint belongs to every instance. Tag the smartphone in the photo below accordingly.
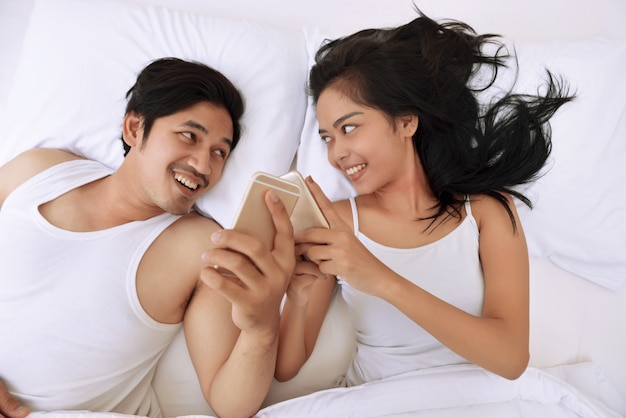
(253, 216)
(306, 213)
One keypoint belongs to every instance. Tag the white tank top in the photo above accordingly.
(388, 342)
(74, 335)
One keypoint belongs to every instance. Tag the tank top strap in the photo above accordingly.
(355, 215)
(468, 206)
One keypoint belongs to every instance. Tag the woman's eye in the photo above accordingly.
(325, 139)
(348, 128)
(188, 135)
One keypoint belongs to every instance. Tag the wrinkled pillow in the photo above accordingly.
(80, 57)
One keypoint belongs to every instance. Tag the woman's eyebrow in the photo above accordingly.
(344, 117)
(341, 120)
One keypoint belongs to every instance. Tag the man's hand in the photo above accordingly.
(254, 290)
(10, 407)
(261, 274)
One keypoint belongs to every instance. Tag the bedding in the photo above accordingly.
(449, 391)
(54, 50)
(457, 390)
(75, 84)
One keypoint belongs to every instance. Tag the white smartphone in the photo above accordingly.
(253, 216)
(306, 213)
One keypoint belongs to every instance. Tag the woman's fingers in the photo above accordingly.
(326, 206)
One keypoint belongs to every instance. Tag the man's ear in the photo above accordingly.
(132, 129)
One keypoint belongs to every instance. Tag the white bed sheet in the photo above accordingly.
(456, 391)
(451, 391)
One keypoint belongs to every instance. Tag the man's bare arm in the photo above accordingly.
(232, 322)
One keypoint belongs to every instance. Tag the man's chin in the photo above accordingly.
(181, 209)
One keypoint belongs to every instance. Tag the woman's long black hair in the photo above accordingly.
(435, 71)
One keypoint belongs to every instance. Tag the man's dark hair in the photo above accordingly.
(169, 85)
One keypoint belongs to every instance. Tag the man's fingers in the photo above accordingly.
(233, 267)
(10, 407)
(283, 240)
(223, 282)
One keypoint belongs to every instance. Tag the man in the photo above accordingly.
(98, 268)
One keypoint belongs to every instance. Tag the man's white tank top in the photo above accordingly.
(74, 334)
(388, 342)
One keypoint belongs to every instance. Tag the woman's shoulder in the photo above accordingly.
(487, 209)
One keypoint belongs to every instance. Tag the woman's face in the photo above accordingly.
(362, 141)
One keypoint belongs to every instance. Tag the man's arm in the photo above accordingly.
(231, 324)
(10, 407)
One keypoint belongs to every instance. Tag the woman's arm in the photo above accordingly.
(498, 339)
(306, 304)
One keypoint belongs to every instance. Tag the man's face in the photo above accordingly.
(184, 156)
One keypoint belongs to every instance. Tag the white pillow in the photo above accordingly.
(579, 205)
(80, 57)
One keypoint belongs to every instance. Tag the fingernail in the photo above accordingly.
(273, 196)
(215, 237)
(205, 255)
(22, 410)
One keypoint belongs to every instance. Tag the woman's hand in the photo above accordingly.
(337, 251)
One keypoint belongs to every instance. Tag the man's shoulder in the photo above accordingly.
(178, 249)
(192, 228)
(36, 160)
(44, 157)
(194, 219)
(28, 164)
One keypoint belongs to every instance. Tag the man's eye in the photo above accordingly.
(221, 153)
(188, 135)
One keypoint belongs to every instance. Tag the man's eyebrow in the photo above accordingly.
(195, 125)
(342, 119)
(228, 142)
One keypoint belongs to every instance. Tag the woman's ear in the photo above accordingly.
(407, 124)
(132, 129)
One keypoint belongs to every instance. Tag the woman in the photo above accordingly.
(430, 256)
